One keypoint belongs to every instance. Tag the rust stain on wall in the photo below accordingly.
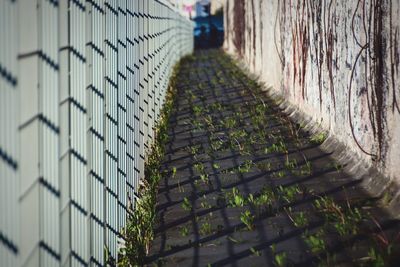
(394, 58)
(375, 50)
(239, 23)
(253, 13)
(330, 38)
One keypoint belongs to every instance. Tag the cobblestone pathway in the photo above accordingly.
(244, 186)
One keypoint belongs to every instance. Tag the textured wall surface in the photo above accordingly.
(81, 88)
(336, 60)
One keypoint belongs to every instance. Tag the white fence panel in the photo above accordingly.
(81, 88)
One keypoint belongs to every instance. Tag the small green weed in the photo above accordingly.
(318, 138)
(173, 172)
(205, 228)
(235, 199)
(199, 167)
(298, 219)
(290, 164)
(279, 147)
(245, 167)
(184, 231)
(186, 204)
(255, 252)
(288, 194)
(315, 242)
(197, 110)
(264, 166)
(229, 122)
(248, 219)
(216, 166)
(345, 219)
(280, 259)
(375, 258)
(204, 178)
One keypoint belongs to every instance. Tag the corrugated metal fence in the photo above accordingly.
(81, 87)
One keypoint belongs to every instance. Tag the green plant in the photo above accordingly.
(251, 199)
(248, 219)
(245, 167)
(236, 241)
(280, 259)
(184, 231)
(263, 200)
(186, 205)
(205, 205)
(298, 219)
(139, 232)
(216, 144)
(386, 198)
(237, 134)
(375, 258)
(345, 220)
(205, 228)
(279, 147)
(215, 107)
(173, 172)
(197, 126)
(194, 149)
(216, 166)
(290, 164)
(288, 193)
(204, 178)
(315, 241)
(235, 199)
(197, 110)
(318, 138)
(264, 166)
(229, 122)
(209, 121)
(199, 167)
(255, 252)
(306, 169)
(190, 95)
(108, 258)
(279, 174)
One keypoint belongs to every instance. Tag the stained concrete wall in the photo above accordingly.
(335, 60)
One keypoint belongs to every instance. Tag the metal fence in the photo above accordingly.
(81, 88)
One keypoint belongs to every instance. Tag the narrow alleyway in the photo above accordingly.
(244, 186)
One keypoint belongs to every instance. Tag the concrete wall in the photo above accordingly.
(82, 84)
(336, 60)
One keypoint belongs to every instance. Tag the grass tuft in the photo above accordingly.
(139, 230)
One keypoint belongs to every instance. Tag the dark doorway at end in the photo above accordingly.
(209, 32)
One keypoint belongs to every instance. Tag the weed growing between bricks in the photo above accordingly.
(139, 231)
